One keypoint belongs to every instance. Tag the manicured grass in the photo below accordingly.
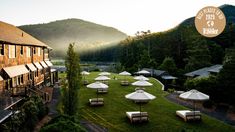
(161, 111)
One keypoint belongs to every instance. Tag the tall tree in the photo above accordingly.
(70, 99)
(226, 84)
(198, 55)
(168, 64)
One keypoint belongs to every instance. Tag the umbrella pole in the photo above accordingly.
(97, 95)
(194, 109)
(140, 111)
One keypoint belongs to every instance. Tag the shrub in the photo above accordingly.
(171, 90)
(208, 104)
(63, 123)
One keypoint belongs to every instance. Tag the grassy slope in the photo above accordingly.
(161, 111)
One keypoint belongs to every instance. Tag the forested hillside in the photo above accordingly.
(183, 44)
(87, 36)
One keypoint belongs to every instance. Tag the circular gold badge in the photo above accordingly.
(210, 21)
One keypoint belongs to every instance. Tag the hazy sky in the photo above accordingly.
(128, 16)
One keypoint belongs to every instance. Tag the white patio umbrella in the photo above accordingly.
(85, 73)
(142, 83)
(102, 78)
(141, 77)
(143, 72)
(104, 74)
(194, 95)
(125, 73)
(97, 85)
(140, 95)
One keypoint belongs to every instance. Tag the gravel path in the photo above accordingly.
(217, 113)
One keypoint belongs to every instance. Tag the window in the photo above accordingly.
(39, 51)
(34, 50)
(12, 51)
(21, 50)
(13, 82)
(22, 79)
(1, 49)
(28, 51)
(18, 80)
(36, 73)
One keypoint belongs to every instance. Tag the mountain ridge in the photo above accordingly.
(88, 35)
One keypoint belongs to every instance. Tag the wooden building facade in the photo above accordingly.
(24, 62)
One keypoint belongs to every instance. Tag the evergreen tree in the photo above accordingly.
(146, 61)
(226, 83)
(70, 99)
(168, 64)
(199, 55)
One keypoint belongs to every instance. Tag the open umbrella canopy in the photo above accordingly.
(140, 95)
(125, 73)
(141, 83)
(85, 73)
(141, 77)
(194, 95)
(102, 78)
(104, 74)
(143, 72)
(97, 85)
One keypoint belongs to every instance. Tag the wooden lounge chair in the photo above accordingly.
(102, 90)
(96, 101)
(124, 83)
(188, 115)
(136, 116)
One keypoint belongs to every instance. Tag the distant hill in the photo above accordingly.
(228, 10)
(89, 36)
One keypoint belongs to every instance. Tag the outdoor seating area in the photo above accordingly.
(188, 115)
(137, 116)
(96, 101)
(147, 105)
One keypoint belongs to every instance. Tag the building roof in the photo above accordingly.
(38, 65)
(31, 67)
(156, 72)
(168, 77)
(4, 114)
(13, 35)
(204, 72)
(49, 63)
(216, 69)
(43, 64)
(14, 71)
(1, 79)
(59, 68)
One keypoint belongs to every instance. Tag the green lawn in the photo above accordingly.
(161, 112)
